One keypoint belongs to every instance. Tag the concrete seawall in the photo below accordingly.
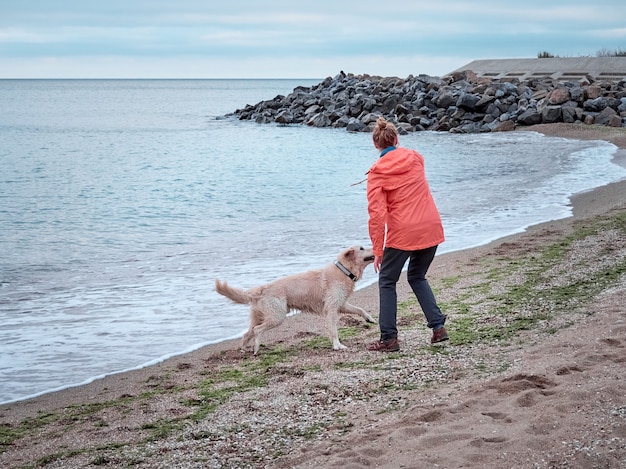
(562, 69)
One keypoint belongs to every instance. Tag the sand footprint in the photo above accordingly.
(522, 382)
(566, 370)
(479, 442)
(613, 342)
(495, 415)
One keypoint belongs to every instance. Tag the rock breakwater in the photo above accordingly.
(461, 102)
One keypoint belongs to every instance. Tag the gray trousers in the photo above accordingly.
(390, 270)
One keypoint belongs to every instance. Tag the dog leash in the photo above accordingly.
(349, 274)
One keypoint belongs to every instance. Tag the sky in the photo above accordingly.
(292, 38)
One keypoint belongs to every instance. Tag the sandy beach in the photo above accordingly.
(534, 375)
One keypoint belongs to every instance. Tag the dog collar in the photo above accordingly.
(349, 274)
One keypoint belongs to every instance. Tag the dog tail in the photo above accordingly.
(234, 294)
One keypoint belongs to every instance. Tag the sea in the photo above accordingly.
(121, 202)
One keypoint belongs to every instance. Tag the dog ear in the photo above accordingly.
(350, 253)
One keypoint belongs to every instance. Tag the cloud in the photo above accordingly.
(422, 36)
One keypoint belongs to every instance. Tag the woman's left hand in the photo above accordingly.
(378, 260)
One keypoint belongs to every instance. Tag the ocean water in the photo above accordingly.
(121, 201)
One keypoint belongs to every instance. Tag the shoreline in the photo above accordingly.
(187, 367)
(547, 129)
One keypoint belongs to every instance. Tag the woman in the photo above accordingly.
(404, 224)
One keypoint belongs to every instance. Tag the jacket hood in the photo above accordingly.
(395, 162)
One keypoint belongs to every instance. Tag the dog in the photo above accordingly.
(323, 292)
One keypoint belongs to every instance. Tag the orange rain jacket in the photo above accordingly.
(400, 204)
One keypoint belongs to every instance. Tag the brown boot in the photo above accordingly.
(439, 336)
(390, 345)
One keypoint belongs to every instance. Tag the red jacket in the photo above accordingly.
(399, 200)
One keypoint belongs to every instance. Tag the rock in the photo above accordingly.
(558, 96)
(319, 120)
(551, 114)
(605, 116)
(460, 103)
(570, 114)
(355, 125)
(593, 92)
(446, 99)
(595, 105)
(529, 117)
(505, 126)
(284, 117)
(615, 121)
(468, 101)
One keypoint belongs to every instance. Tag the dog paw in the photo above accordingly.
(369, 318)
(339, 346)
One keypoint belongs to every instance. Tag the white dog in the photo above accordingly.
(323, 292)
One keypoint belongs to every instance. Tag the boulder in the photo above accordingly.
(458, 103)
(529, 117)
(558, 96)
